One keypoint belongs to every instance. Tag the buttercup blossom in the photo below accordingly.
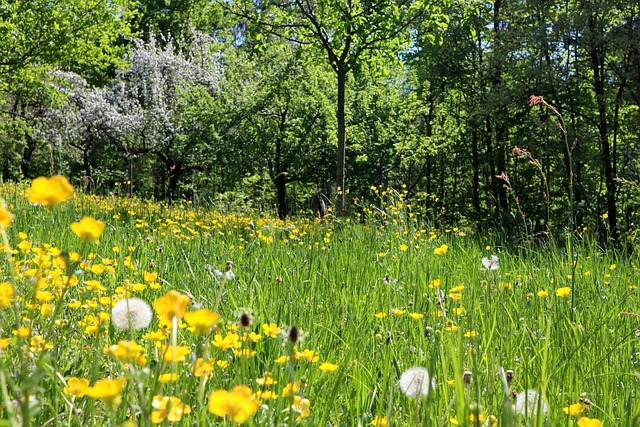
(201, 321)
(76, 386)
(6, 294)
(589, 422)
(108, 390)
(88, 228)
(173, 304)
(49, 191)
(441, 250)
(5, 217)
(170, 408)
(132, 312)
(415, 382)
(238, 404)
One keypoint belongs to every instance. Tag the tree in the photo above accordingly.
(145, 110)
(346, 32)
(82, 36)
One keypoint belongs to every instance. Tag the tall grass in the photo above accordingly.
(369, 296)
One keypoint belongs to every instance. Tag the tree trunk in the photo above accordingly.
(281, 188)
(598, 68)
(88, 170)
(175, 172)
(475, 165)
(341, 156)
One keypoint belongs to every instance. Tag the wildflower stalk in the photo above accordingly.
(535, 100)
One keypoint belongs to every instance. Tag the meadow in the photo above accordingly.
(333, 321)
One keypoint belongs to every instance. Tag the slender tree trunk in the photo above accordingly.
(175, 172)
(492, 166)
(341, 156)
(475, 165)
(88, 170)
(281, 188)
(597, 65)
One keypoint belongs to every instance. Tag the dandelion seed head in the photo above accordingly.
(490, 263)
(529, 402)
(132, 312)
(415, 382)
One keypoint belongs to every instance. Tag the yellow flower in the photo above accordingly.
(291, 389)
(416, 316)
(381, 315)
(403, 247)
(108, 390)
(308, 355)
(170, 408)
(245, 352)
(173, 304)
(169, 355)
(271, 330)
(25, 246)
(77, 386)
(327, 367)
(150, 277)
(201, 321)
(4, 343)
(576, 409)
(441, 250)
(267, 380)
(49, 191)
(5, 217)
(543, 293)
(282, 359)
(398, 312)
(612, 267)
(88, 228)
(563, 292)
(434, 283)
(6, 294)
(302, 406)
(239, 404)
(22, 332)
(589, 422)
(203, 368)
(229, 341)
(379, 421)
(266, 395)
(167, 378)
(471, 334)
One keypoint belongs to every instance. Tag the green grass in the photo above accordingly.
(329, 278)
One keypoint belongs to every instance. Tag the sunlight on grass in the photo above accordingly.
(380, 322)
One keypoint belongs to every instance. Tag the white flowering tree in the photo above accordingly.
(145, 110)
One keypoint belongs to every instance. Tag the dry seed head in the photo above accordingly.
(509, 376)
(466, 377)
(294, 334)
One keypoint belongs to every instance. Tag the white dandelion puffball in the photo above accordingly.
(415, 382)
(490, 263)
(529, 402)
(132, 312)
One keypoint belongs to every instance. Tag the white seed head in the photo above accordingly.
(415, 382)
(132, 312)
(529, 402)
(490, 263)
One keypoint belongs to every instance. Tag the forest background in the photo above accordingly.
(308, 105)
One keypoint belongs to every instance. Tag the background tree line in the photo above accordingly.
(305, 103)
